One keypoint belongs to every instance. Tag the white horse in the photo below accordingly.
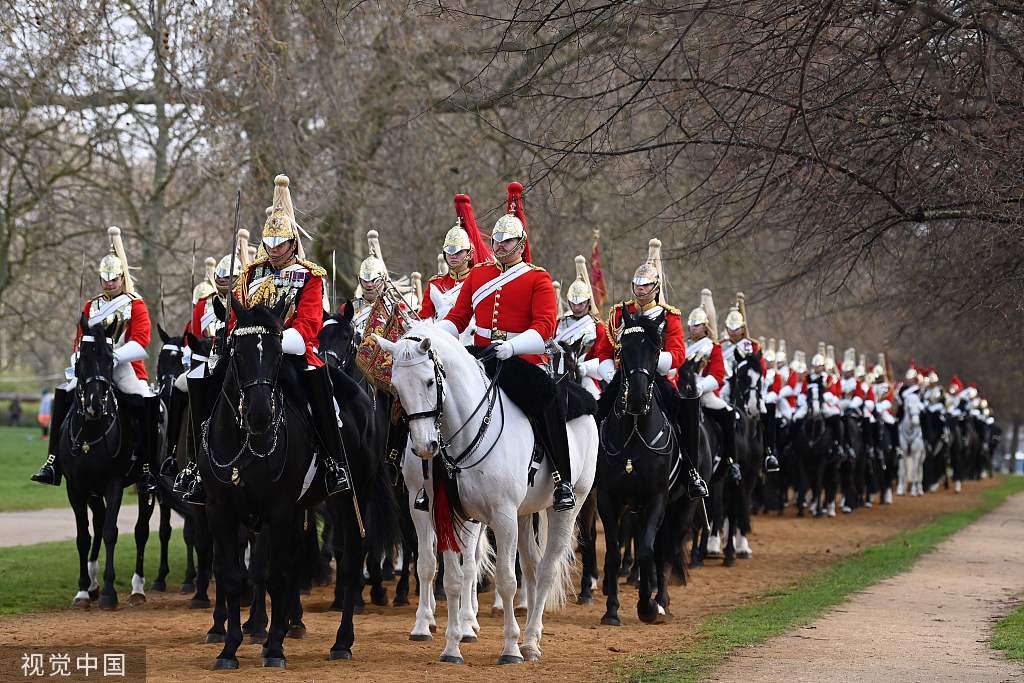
(460, 577)
(492, 441)
(911, 467)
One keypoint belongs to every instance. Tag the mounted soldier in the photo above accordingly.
(648, 300)
(706, 353)
(513, 305)
(373, 278)
(582, 323)
(121, 310)
(463, 248)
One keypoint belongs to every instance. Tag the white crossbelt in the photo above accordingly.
(500, 281)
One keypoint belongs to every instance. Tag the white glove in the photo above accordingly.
(606, 369)
(131, 351)
(664, 362)
(801, 400)
(869, 406)
(449, 327)
(771, 397)
(526, 344)
(855, 402)
(293, 343)
(706, 385)
(786, 392)
(591, 368)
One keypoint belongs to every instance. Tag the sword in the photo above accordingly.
(234, 255)
(334, 284)
(192, 282)
(81, 279)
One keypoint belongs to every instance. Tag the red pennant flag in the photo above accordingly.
(596, 276)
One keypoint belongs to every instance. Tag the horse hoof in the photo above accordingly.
(531, 655)
(584, 600)
(225, 663)
(296, 631)
(82, 603)
(187, 588)
(469, 638)
(452, 659)
(199, 603)
(611, 621)
(214, 638)
(743, 555)
(94, 595)
(399, 602)
(258, 638)
(420, 637)
(108, 602)
(358, 609)
(380, 602)
(159, 586)
(273, 663)
(510, 659)
(340, 654)
(136, 599)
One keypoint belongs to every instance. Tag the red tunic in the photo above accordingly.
(137, 329)
(716, 367)
(198, 312)
(674, 342)
(524, 303)
(602, 333)
(308, 316)
(441, 283)
(794, 383)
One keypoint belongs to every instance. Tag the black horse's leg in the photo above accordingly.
(188, 533)
(114, 493)
(647, 533)
(77, 499)
(160, 584)
(348, 546)
(378, 591)
(228, 569)
(588, 550)
(282, 535)
(204, 560)
(99, 517)
(408, 530)
(146, 505)
(611, 511)
(256, 625)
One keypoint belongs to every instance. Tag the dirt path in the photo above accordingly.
(58, 524)
(576, 646)
(932, 623)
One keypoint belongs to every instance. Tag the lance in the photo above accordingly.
(81, 279)
(234, 255)
(334, 282)
(192, 282)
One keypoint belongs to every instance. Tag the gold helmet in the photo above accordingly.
(280, 226)
(580, 291)
(769, 354)
(698, 316)
(508, 227)
(456, 240)
(849, 360)
(650, 272)
(734, 320)
(115, 264)
(818, 361)
(780, 355)
(207, 286)
(862, 367)
(224, 265)
(799, 364)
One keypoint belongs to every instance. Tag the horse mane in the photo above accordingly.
(428, 329)
(264, 317)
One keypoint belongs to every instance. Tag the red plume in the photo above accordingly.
(515, 207)
(464, 210)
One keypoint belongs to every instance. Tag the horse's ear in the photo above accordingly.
(220, 311)
(424, 345)
(389, 346)
(347, 311)
(164, 337)
(192, 340)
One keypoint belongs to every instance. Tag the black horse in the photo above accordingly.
(257, 448)
(640, 465)
(103, 443)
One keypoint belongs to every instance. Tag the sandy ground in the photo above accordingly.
(932, 623)
(575, 645)
(58, 524)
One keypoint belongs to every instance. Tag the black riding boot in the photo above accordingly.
(726, 421)
(188, 480)
(175, 415)
(150, 441)
(771, 462)
(553, 432)
(325, 421)
(689, 414)
(50, 473)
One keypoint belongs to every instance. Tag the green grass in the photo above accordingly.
(45, 576)
(1009, 635)
(794, 606)
(21, 454)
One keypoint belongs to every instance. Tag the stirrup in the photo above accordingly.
(735, 473)
(336, 477)
(146, 481)
(564, 498)
(422, 502)
(195, 495)
(169, 467)
(771, 463)
(697, 487)
(184, 480)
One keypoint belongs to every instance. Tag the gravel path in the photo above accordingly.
(933, 623)
(58, 524)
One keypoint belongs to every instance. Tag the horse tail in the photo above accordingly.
(566, 565)
(486, 555)
(380, 512)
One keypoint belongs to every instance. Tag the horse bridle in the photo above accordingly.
(109, 404)
(490, 397)
(624, 388)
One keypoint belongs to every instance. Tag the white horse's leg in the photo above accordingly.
(426, 569)
(529, 559)
(506, 533)
(467, 589)
(453, 588)
(552, 577)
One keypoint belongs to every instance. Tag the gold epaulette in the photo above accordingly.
(534, 266)
(671, 309)
(485, 263)
(313, 268)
